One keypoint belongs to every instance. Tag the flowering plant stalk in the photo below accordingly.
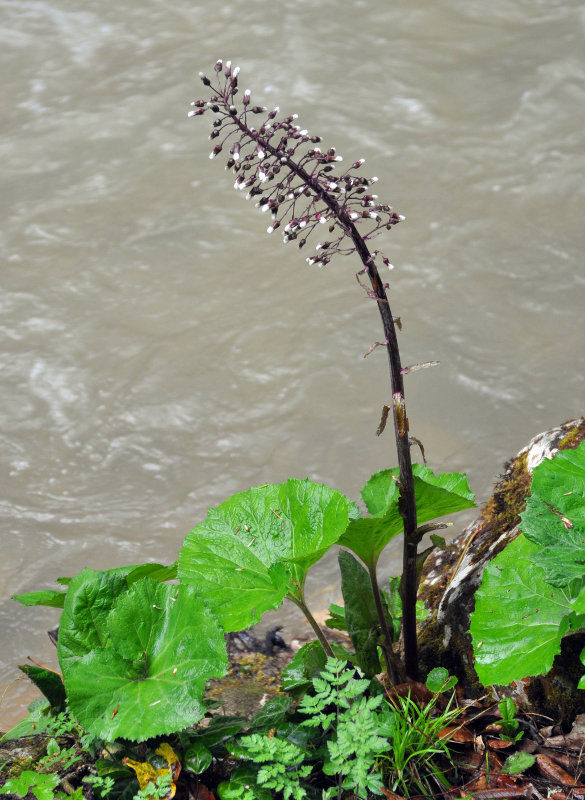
(303, 187)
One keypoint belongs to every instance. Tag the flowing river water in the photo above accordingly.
(159, 351)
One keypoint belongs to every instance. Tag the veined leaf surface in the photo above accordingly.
(519, 618)
(554, 517)
(257, 546)
(436, 495)
(143, 671)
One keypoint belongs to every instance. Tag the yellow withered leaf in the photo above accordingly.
(146, 773)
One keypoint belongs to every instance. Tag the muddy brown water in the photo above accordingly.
(160, 352)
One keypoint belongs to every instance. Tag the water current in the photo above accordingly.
(159, 351)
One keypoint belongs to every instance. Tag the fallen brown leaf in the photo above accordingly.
(553, 772)
(570, 763)
(456, 733)
(499, 744)
(416, 690)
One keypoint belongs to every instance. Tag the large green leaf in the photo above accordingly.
(84, 622)
(519, 618)
(236, 584)
(257, 546)
(143, 670)
(361, 618)
(436, 495)
(554, 517)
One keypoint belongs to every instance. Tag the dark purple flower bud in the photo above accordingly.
(246, 99)
(205, 81)
(215, 151)
(196, 112)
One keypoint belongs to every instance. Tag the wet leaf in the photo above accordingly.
(54, 598)
(36, 721)
(158, 572)
(197, 758)
(439, 680)
(272, 714)
(135, 661)
(554, 518)
(244, 777)
(436, 495)
(257, 546)
(519, 618)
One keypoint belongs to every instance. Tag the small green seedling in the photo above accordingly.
(509, 723)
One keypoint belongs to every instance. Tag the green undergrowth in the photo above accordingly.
(344, 735)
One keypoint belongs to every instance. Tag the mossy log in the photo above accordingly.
(451, 577)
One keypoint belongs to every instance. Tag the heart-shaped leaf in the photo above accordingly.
(257, 547)
(135, 664)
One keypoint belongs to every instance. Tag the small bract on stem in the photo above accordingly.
(304, 187)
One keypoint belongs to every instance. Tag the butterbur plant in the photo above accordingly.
(135, 650)
(305, 188)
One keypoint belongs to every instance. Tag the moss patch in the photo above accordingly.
(574, 437)
(502, 511)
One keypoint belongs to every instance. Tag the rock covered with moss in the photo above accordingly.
(452, 576)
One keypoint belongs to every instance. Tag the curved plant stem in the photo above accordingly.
(387, 645)
(314, 625)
